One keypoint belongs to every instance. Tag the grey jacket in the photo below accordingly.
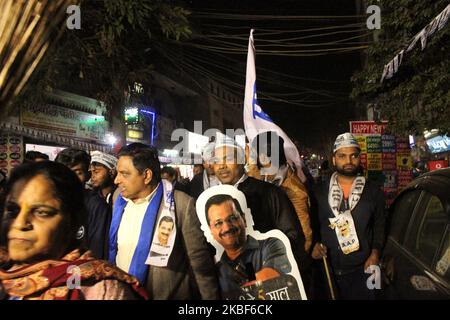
(190, 273)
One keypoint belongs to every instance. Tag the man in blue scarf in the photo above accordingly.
(184, 270)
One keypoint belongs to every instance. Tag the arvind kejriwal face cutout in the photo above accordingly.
(251, 265)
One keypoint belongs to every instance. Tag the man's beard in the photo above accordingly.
(347, 173)
(105, 183)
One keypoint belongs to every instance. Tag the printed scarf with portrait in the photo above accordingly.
(160, 253)
(343, 223)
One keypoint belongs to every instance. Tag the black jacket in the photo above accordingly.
(98, 221)
(196, 186)
(369, 217)
(272, 209)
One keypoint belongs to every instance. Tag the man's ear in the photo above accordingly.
(334, 162)
(148, 175)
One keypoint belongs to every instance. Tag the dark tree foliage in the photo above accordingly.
(417, 98)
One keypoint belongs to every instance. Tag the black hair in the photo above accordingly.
(98, 164)
(71, 157)
(170, 171)
(219, 199)
(67, 188)
(144, 157)
(31, 156)
(262, 143)
(165, 219)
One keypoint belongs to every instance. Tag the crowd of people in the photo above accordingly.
(103, 226)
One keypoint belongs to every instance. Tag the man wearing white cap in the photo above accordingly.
(207, 178)
(269, 204)
(103, 173)
(350, 212)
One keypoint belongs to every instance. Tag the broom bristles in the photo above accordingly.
(27, 30)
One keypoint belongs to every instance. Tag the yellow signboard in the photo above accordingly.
(362, 141)
(374, 161)
(404, 161)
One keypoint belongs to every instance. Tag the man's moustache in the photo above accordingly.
(231, 231)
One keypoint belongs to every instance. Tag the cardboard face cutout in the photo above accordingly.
(251, 265)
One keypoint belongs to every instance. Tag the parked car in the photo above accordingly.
(416, 259)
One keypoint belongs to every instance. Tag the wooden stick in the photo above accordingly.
(327, 271)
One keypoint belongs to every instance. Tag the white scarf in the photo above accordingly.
(343, 222)
(159, 254)
(279, 177)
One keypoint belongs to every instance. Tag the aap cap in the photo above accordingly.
(105, 159)
(208, 152)
(225, 141)
(345, 140)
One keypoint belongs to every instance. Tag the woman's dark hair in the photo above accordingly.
(67, 188)
(144, 157)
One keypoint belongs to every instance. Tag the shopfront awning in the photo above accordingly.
(53, 138)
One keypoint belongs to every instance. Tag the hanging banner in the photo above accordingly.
(435, 25)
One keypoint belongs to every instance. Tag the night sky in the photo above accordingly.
(316, 87)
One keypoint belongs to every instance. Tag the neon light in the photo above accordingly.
(146, 112)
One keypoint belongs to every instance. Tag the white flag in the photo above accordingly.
(256, 121)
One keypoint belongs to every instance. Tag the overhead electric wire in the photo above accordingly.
(192, 69)
(226, 67)
(198, 56)
(264, 31)
(280, 73)
(255, 17)
(279, 43)
(262, 78)
(260, 40)
(297, 53)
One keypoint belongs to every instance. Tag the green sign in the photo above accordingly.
(374, 144)
(131, 115)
